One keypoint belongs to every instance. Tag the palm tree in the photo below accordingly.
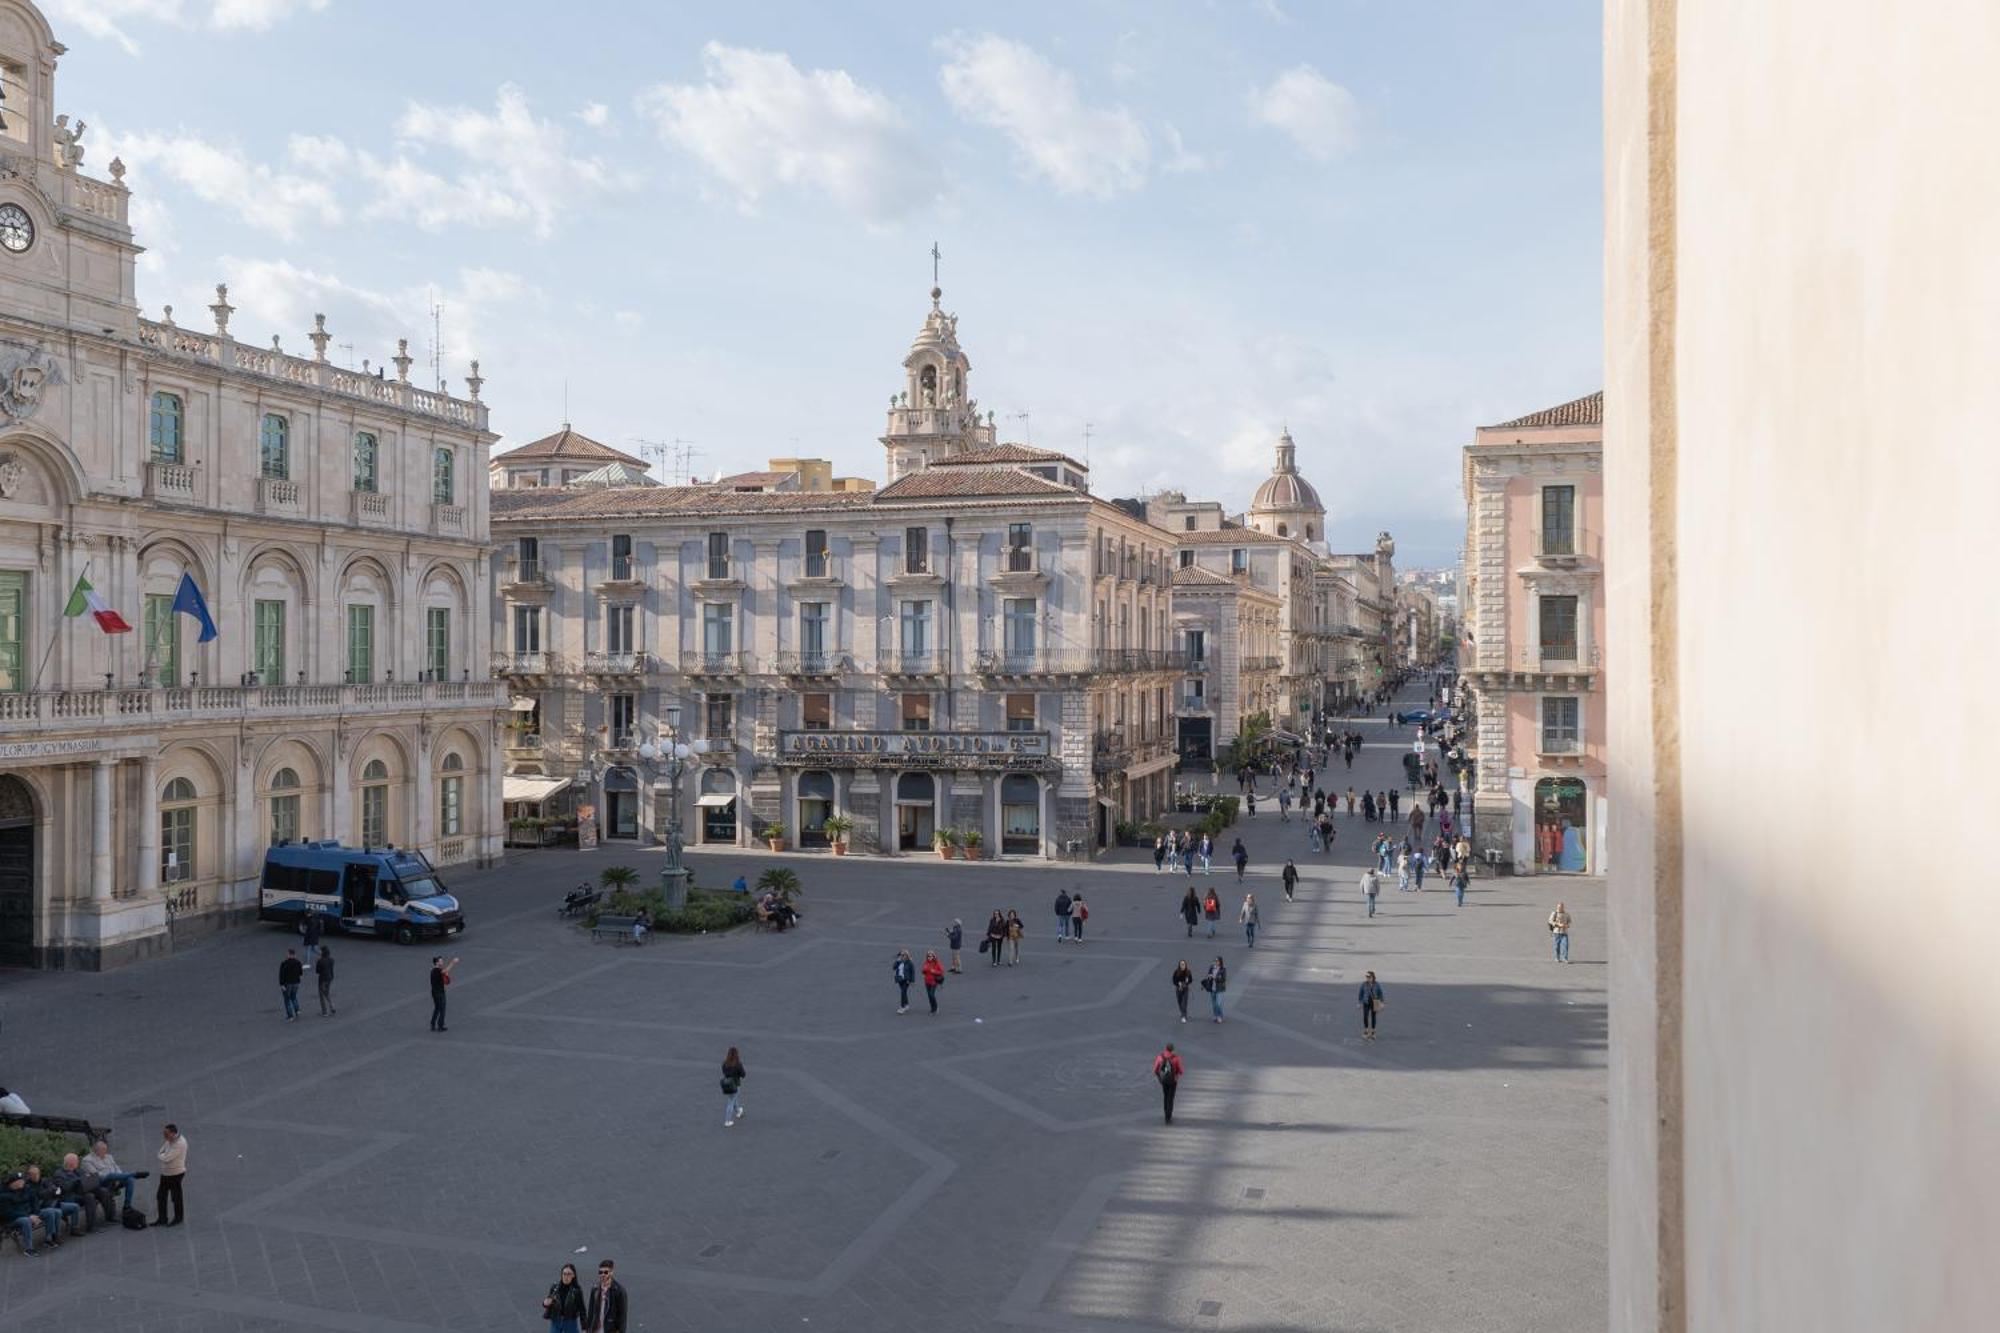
(617, 877)
(781, 881)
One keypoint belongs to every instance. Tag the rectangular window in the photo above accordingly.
(165, 429)
(621, 557)
(1020, 712)
(437, 641)
(1018, 624)
(718, 630)
(284, 818)
(451, 807)
(1197, 645)
(1558, 617)
(1189, 521)
(916, 712)
(360, 644)
(1239, 562)
(527, 629)
(268, 645)
(1561, 715)
(274, 449)
(375, 815)
(13, 628)
(624, 720)
(367, 462)
(177, 845)
(815, 553)
(162, 629)
(1197, 689)
(916, 550)
(1558, 520)
(443, 487)
(1020, 548)
(719, 716)
(812, 631)
(528, 559)
(618, 622)
(718, 555)
(916, 629)
(815, 712)
(1187, 559)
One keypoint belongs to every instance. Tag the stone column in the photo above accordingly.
(424, 824)
(100, 830)
(147, 881)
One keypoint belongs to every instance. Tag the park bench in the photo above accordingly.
(60, 1124)
(616, 927)
(577, 901)
(763, 915)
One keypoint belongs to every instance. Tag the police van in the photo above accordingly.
(381, 891)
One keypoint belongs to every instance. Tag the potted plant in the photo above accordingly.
(972, 838)
(837, 828)
(946, 842)
(774, 836)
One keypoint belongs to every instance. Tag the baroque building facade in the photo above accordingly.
(333, 522)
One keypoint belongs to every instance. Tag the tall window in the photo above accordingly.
(1019, 626)
(1239, 561)
(528, 559)
(367, 462)
(268, 642)
(527, 629)
(718, 555)
(718, 630)
(1020, 547)
(375, 804)
(1560, 723)
(451, 797)
(437, 641)
(442, 486)
(916, 712)
(1020, 712)
(812, 629)
(284, 803)
(916, 629)
(274, 447)
(360, 644)
(162, 629)
(618, 622)
(13, 625)
(1558, 520)
(1197, 645)
(719, 716)
(815, 553)
(177, 818)
(166, 429)
(1558, 617)
(815, 712)
(1187, 559)
(624, 719)
(621, 556)
(916, 550)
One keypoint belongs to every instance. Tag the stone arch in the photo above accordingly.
(443, 589)
(50, 476)
(192, 834)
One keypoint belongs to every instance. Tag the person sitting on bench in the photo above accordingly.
(49, 1198)
(97, 1199)
(18, 1208)
(103, 1171)
(779, 911)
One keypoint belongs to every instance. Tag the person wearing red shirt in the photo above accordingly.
(1167, 1068)
(933, 977)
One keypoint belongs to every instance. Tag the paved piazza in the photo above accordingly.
(1001, 1165)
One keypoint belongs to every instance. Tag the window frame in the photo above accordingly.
(444, 475)
(717, 555)
(360, 628)
(161, 450)
(267, 645)
(916, 550)
(437, 641)
(367, 480)
(274, 447)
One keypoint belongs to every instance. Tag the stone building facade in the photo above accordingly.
(334, 523)
(1228, 629)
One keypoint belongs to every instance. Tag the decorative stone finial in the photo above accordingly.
(274, 345)
(319, 337)
(403, 359)
(474, 381)
(118, 170)
(167, 315)
(222, 310)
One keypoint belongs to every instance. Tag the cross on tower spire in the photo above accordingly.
(936, 255)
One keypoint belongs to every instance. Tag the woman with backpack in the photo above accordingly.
(1190, 910)
(1168, 1069)
(1240, 857)
(563, 1306)
(732, 1088)
(1211, 907)
(1216, 982)
(1159, 853)
(1078, 915)
(934, 976)
(1183, 983)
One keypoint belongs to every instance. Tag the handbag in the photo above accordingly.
(729, 1087)
(983, 943)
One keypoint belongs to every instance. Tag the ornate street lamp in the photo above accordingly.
(668, 757)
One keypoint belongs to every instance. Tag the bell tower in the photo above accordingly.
(934, 415)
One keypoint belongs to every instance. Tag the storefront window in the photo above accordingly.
(1561, 842)
(1020, 815)
(815, 806)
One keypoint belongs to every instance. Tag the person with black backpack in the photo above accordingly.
(732, 1087)
(1183, 983)
(1167, 1068)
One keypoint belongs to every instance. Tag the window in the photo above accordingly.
(624, 720)
(162, 629)
(812, 631)
(367, 462)
(621, 557)
(1197, 691)
(1283, 531)
(437, 641)
(815, 807)
(815, 712)
(177, 814)
(916, 629)
(718, 555)
(451, 798)
(1020, 712)
(816, 566)
(527, 629)
(1187, 559)
(284, 806)
(375, 804)
(1560, 722)
(1239, 562)
(166, 429)
(916, 550)
(1197, 645)
(268, 646)
(274, 451)
(1018, 625)
(916, 712)
(360, 644)
(1188, 523)
(1020, 815)
(13, 624)
(1558, 625)
(1020, 548)
(1558, 520)
(442, 487)
(718, 630)
(528, 558)
(719, 716)
(618, 620)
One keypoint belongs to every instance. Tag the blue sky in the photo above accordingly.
(1186, 224)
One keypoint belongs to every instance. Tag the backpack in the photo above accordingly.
(132, 1219)
(1082, 912)
(1165, 1073)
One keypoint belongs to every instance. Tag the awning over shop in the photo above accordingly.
(1288, 737)
(531, 788)
(521, 705)
(715, 800)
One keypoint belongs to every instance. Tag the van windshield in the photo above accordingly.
(423, 886)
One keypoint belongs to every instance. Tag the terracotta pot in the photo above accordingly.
(840, 849)
(973, 853)
(775, 844)
(944, 850)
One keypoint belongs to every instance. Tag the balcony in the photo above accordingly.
(526, 664)
(807, 665)
(912, 664)
(280, 496)
(718, 583)
(450, 521)
(524, 581)
(53, 713)
(1259, 664)
(1567, 547)
(817, 570)
(1019, 571)
(712, 665)
(622, 579)
(173, 483)
(615, 664)
(368, 509)
(522, 747)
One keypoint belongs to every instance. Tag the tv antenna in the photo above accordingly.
(437, 343)
(1088, 429)
(1027, 425)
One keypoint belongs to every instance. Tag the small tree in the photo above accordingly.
(781, 881)
(617, 877)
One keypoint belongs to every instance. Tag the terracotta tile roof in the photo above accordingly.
(1196, 576)
(1007, 453)
(935, 483)
(508, 499)
(567, 444)
(1585, 411)
(748, 480)
(1231, 537)
(667, 501)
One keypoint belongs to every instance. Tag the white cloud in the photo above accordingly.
(1181, 158)
(596, 115)
(1319, 115)
(759, 124)
(257, 14)
(106, 18)
(627, 319)
(278, 201)
(1078, 148)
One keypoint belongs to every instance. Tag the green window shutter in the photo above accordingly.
(437, 641)
(163, 640)
(269, 654)
(360, 645)
(13, 624)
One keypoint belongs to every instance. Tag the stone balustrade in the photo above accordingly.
(32, 715)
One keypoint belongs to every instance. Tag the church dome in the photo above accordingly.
(1285, 490)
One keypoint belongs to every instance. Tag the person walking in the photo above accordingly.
(1078, 916)
(1402, 872)
(934, 975)
(323, 973)
(1241, 857)
(1183, 983)
(563, 1306)
(1559, 927)
(1211, 907)
(1459, 879)
(440, 979)
(1216, 982)
(1418, 863)
(1246, 917)
(315, 927)
(1371, 886)
(1371, 1002)
(732, 1087)
(290, 972)
(1187, 855)
(1063, 906)
(996, 937)
(1350, 794)
(1159, 853)
(1207, 854)
(1285, 805)
(1190, 910)
(1167, 1068)
(904, 970)
(173, 1155)
(1290, 875)
(954, 935)
(1015, 930)
(607, 1309)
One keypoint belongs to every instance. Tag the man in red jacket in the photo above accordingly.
(1167, 1068)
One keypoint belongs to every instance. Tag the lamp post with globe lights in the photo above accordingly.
(667, 756)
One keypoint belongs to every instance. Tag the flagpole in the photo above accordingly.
(49, 651)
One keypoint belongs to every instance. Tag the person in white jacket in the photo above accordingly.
(173, 1171)
(1371, 886)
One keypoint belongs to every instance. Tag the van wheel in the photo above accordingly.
(405, 935)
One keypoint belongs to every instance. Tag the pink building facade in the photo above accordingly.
(1532, 657)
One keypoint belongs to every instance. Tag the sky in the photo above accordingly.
(1170, 229)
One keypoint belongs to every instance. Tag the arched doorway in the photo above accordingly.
(815, 806)
(1020, 815)
(621, 804)
(916, 811)
(17, 872)
(1562, 843)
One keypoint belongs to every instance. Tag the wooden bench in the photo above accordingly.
(763, 917)
(59, 1124)
(614, 927)
(579, 905)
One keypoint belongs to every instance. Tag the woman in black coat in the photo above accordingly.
(1191, 911)
(563, 1306)
(996, 935)
(1183, 983)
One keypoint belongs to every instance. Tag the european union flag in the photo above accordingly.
(188, 602)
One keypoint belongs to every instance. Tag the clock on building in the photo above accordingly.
(17, 229)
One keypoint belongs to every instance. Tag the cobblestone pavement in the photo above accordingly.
(999, 1166)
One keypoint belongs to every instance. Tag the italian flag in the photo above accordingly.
(86, 598)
